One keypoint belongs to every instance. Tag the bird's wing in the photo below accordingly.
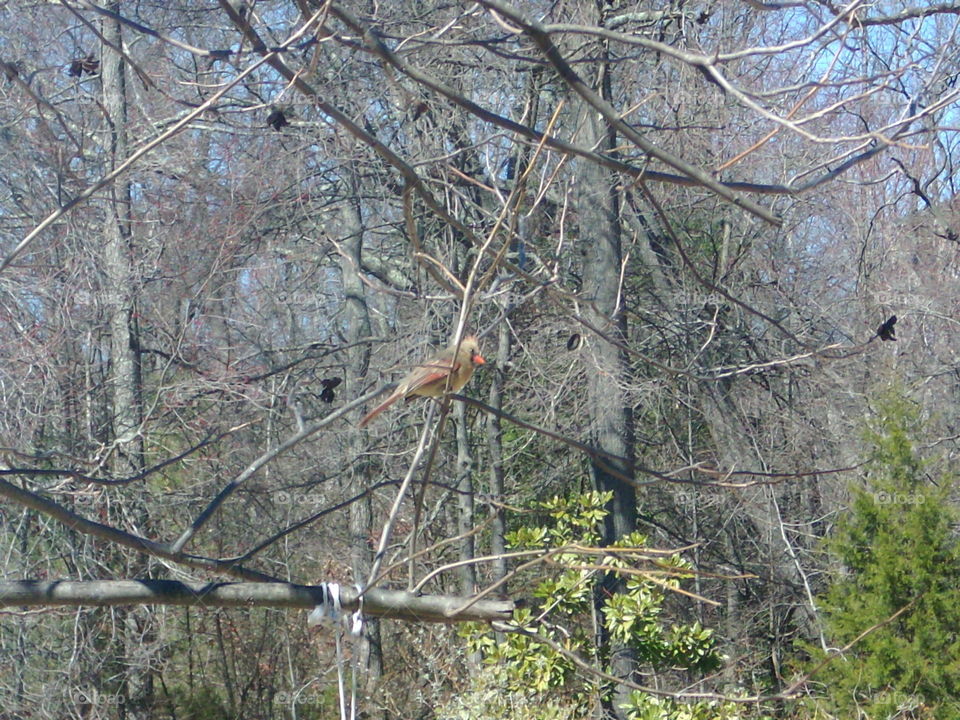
(430, 373)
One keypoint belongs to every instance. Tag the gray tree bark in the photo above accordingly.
(357, 318)
(611, 422)
(498, 528)
(125, 378)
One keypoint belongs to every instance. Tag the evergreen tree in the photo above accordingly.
(898, 553)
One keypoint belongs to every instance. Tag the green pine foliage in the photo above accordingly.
(897, 549)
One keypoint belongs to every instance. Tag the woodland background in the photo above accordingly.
(677, 225)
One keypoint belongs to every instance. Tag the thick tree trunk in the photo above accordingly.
(498, 528)
(611, 424)
(465, 503)
(357, 318)
(119, 291)
(125, 379)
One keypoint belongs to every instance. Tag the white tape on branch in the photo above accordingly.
(330, 613)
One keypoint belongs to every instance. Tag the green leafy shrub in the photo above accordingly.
(533, 673)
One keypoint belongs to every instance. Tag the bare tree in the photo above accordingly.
(678, 226)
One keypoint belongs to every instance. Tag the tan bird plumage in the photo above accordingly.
(429, 378)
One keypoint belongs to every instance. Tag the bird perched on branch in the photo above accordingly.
(430, 378)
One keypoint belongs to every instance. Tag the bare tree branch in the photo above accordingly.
(393, 604)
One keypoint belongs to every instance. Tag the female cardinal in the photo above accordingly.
(430, 378)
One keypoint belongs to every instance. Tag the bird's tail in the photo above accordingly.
(378, 409)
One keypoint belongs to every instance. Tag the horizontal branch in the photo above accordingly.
(393, 604)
